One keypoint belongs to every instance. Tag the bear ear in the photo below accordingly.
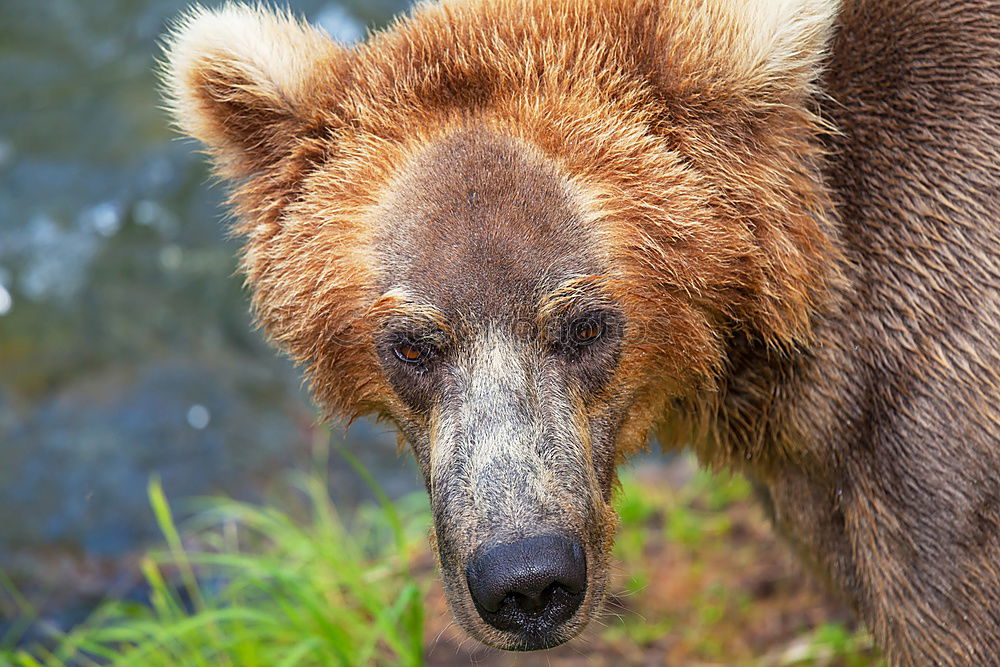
(784, 41)
(774, 47)
(246, 81)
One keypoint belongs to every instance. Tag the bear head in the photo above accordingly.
(525, 232)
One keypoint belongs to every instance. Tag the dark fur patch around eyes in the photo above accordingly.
(585, 340)
(411, 357)
(589, 341)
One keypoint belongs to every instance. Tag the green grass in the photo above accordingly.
(254, 586)
(832, 643)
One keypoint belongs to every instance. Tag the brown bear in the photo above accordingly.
(532, 232)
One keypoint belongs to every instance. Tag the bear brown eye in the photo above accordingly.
(587, 331)
(411, 353)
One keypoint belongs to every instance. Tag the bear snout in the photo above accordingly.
(529, 587)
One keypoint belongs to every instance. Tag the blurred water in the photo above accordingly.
(125, 345)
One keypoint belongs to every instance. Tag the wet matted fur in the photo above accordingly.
(782, 215)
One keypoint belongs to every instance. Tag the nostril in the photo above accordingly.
(529, 586)
(532, 604)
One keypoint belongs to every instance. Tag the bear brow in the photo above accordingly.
(397, 304)
(589, 290)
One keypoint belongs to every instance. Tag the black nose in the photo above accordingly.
(529, 586)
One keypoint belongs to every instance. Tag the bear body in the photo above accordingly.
(900, 401)
(531, 232)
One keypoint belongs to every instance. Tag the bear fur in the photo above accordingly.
(790, 207)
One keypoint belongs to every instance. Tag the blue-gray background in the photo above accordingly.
(126, 349)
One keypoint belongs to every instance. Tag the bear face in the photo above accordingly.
(524, 232)
(500, 342)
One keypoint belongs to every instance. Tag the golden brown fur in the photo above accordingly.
(808, 269)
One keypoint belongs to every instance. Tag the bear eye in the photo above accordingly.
(411, 353)
(586, 331)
